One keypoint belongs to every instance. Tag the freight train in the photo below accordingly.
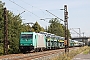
(31, 41)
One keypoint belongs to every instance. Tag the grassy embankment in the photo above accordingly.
(71, 54)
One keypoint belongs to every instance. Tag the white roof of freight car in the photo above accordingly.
(44, 33)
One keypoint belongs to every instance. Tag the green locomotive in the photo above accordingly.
(31, 41)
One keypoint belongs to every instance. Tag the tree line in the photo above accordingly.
(16, 26)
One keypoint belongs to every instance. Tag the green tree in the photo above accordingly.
(37, 28)
(1, 27)
(15, 27)
(55, 27)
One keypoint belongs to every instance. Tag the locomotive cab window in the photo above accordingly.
(27, 36)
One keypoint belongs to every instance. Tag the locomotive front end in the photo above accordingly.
(26, 42)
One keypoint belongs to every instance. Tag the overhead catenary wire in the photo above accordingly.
(30, 11)
(35, 7)
(54, 15)
(75, 31)
(24, 8)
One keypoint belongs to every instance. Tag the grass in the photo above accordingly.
(87, 51)
(71, 54)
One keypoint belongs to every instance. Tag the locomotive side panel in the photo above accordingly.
(41, 40)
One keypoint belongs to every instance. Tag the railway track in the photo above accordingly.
(33, 56)
(41, 54)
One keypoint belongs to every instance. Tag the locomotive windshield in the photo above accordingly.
(27, 36)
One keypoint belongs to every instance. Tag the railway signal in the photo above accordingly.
(66, 28)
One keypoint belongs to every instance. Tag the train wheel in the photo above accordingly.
(41, 49)
(24, 52)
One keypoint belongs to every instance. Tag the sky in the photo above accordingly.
(78, 12)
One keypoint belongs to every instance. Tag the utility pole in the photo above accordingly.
(66, 28)
(5, 32)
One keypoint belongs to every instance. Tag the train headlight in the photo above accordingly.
(31, 44)
(21, 44)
